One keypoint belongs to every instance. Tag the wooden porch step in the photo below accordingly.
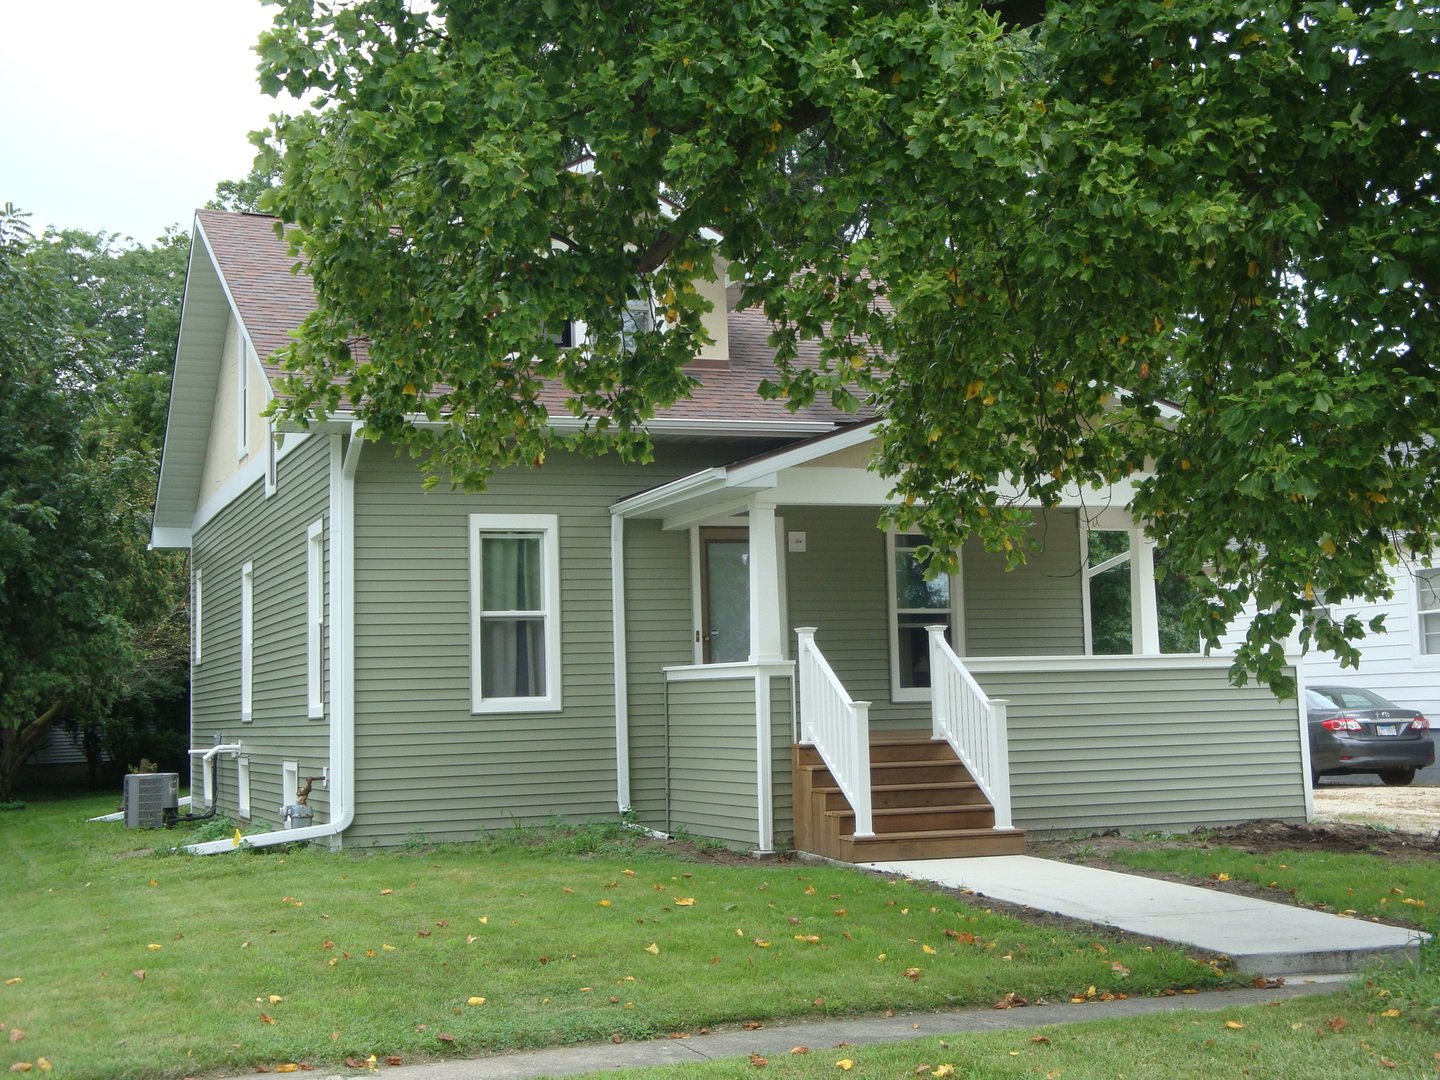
(906, 819)
(933, 844)
(886, 796)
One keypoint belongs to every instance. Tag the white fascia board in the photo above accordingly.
(169, 539)
(800, 455)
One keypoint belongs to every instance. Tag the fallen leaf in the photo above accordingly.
(1040, 1038)
(484, 920)
(653, 949)
(628, 873)
(758, 1061)
(475, 1001)
(811, 938)
(394, 1059)
(809, 890)
(16, 1035)
(1234, 1025)
(444, 1037)
(21, 1066)
(139, 973)
(567, 889)
(1337, 1024)
(1221, 877)
(1119, 969)
(845, 1064)
(819, 1003)
(616, 1038)
(685, 901)
(1388, 1063)
(152, 946)
(927, 949)
(289, 1066)
(799, 1050)
(751, 1025)
(386, 892)
(423, 933)
(1391, 1013)
(356, 1063)
(759, 944)
(388, 948)
(912, 974)
(266, 1018)
(12, 982)
(944, 1070)
(605, 903)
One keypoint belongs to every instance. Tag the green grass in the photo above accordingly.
(381, 952)
(1406, 890)
(1304, 1039)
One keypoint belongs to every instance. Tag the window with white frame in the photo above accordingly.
(915, 603)
(197, 612)
(1427, 609)
(247, 642)
(315, 618)
(514, 613)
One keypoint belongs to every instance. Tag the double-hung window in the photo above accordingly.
(514, 613)
(1427, 610)
(915, 603)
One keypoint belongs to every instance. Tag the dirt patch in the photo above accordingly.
(1256, 837)
(1410, 809)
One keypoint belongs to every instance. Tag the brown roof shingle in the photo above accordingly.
(272, 301)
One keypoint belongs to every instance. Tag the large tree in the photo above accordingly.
(1064, 209)
(79, 593)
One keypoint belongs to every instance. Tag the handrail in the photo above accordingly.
(973, 723)
(837, 726)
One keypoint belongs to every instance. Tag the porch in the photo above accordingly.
(733, 727)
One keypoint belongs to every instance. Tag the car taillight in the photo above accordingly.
(1340, 723)
(1419, 724)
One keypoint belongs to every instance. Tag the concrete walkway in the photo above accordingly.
(1260, 937)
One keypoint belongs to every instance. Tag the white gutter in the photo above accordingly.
(622, 690)
(342, 661)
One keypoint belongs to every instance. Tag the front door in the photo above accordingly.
(725, 589)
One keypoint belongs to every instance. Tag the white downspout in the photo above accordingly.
(622, 689)
(342, 660)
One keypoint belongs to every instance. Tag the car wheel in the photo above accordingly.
(1396, 777)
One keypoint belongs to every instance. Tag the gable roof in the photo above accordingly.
(271, 301)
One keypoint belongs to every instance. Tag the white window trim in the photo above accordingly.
(900, 694)
(197, 613)
(289, 784)
(247, 643)
(315, 620)
(242, 402)
(242, 788)
(272, 461)
(548, 526)
(1422, 658)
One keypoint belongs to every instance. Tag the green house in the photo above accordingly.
(722, 642)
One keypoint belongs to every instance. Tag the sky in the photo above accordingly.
(122, 115)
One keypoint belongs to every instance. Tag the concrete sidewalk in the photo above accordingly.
(1260, 937)
(774, 1040)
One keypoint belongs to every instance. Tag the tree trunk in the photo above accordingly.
(15, 743)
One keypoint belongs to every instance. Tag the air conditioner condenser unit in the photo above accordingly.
(148, 798)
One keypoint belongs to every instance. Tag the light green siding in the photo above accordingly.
(1037, 609)
(425, 763)
(659, 634)
(840, 585)
(712, 760)
(782, 737)
(272, 533)
(1157, 745)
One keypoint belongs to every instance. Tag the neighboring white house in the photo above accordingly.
(1403, 663)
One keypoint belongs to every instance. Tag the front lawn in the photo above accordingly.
(117, 963)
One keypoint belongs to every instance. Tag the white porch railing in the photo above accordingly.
(972, 723)
(837, 726)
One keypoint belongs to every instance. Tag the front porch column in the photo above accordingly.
(767, 640)
(1144, 612)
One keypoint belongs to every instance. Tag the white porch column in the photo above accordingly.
(766, 628)
(1144, 612)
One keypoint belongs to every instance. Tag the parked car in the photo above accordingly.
(1357, 731)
